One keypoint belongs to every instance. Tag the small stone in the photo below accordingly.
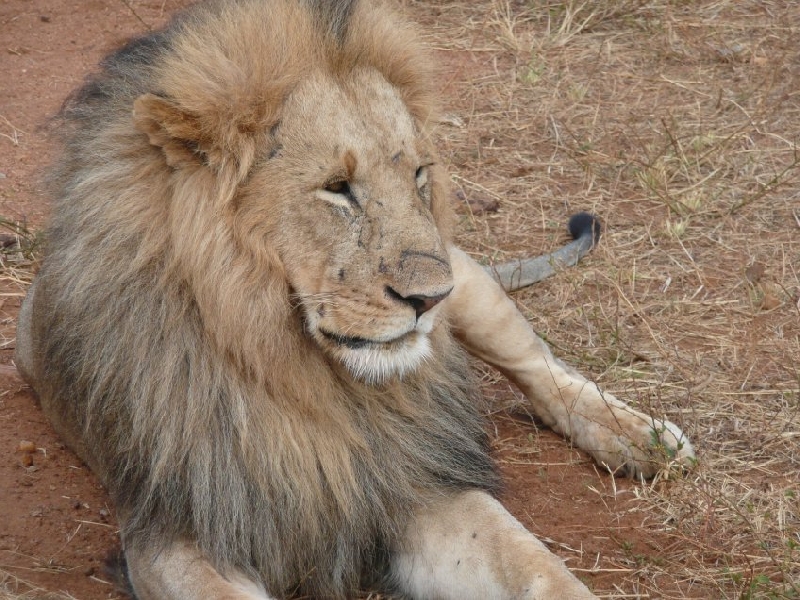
(755, 272)
(770, 301)
(26, 446)
(478, 205)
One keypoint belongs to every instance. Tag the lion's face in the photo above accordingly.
(353, 224)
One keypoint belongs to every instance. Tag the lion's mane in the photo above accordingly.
(191, 387)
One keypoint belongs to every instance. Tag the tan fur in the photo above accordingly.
(243, 323)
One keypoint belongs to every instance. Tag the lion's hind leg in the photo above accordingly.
(468, 546)
(180, 572)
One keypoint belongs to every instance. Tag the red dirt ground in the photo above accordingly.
(56, 524)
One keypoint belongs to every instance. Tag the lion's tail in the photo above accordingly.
(585, 229)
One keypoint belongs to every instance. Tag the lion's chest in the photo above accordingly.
(336, 491)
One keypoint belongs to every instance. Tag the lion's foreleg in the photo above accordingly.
(489, 325)
(180, 572)
(469, 547)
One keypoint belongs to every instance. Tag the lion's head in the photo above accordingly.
(329, 170)
(362, 250)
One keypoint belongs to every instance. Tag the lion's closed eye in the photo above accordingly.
(338, 192)
(422, 178)
(339, 186)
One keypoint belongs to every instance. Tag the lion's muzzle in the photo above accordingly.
(421, 303)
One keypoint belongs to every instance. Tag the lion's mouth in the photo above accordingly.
(377, 359)
(356, 342)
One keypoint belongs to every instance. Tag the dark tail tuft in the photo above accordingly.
(116, 569)
(584, 224)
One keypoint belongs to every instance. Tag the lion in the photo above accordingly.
(250, 319)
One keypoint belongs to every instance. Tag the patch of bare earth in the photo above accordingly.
(676, 122)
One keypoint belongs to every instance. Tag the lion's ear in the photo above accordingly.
(177, 133)
(188, 139)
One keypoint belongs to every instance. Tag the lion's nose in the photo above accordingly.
(419, 302)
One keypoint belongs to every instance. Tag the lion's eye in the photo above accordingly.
(338, 193)
(423, 184)
(340, 186)
(422, 177)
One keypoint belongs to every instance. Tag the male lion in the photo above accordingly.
(246, 323)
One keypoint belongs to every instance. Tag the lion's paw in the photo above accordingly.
(640, 446)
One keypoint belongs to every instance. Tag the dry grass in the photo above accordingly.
(19, 248)
(13, 587)
(678, 123)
